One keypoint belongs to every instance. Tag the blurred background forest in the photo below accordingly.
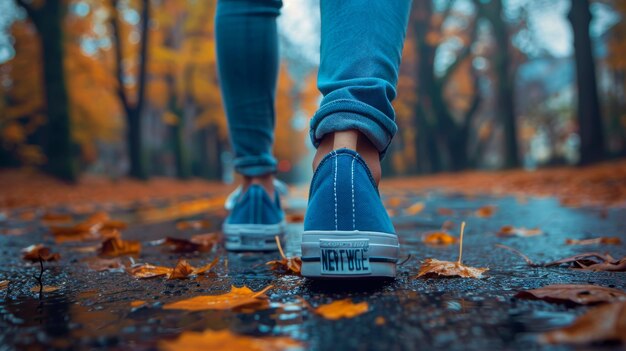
(129, 87)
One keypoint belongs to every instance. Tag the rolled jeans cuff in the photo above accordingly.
(253, 166)
(345, 114)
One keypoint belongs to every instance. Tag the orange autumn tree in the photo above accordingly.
(23, 107)
(183, 85)
(92, 107)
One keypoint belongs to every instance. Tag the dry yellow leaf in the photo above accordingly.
(508, 230)
(45, 289)
(4, 284)
(34, 253)
(449, 269)
(439, 238)
(602, 240)
(236, 298)
(415, 208)
(485, 211)
(137, 303)
(288, 265)
(224, 340)
(604, 323)
(117, 247)
(436, 267)
(342, 309)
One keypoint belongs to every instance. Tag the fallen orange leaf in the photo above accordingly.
(197, 243)
(38, 252)
(602, 240)
(196, 224)
(117, 247)
(4, 284)
(182, 270)
(522, 232)
(45, 289)
(288, 265)
(438, 238)
(415, 208)
(435, 267)
(604, 323)
(583, 294)
(394, 202)
(224, 340)
(593, 261)
(236, 298)
(295, 217)
(137, 303)
(53, 217)
(445, 211)
(342, 309)
(485, 211)
(380, 320)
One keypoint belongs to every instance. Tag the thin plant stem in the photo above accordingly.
(461, 243)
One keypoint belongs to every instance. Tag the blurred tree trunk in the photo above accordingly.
(504, 82)
(136, 153)
(58, 146)
(439, 137)
(588, 111)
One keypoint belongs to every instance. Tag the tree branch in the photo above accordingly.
(119, 71)
(462, 54)
(143, 59)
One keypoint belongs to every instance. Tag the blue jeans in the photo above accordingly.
(360, 52)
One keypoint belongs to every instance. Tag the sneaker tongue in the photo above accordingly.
(231, 200)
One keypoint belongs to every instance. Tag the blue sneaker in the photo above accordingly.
(254, 220)
(347, 231)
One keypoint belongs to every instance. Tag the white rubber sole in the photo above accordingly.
(252, 237)
(382, 253)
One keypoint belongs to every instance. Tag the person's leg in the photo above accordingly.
(247, 54)
(347, 232)
(360, 55)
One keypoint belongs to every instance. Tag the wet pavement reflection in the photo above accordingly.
(94, 310)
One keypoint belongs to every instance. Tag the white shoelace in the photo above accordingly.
(280, 187)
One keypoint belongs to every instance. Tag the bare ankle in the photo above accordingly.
(266, 181)
(353, 140)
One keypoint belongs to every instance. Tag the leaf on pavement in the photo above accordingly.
(509, 230)
(601, 240)
(485, 211)
(46, 288)
(197, 243)
(4, 284)
(603, 323)
(182, 270)
(137, 303)
(235, 299)
(97, 226)
(583, 294)
(291, 265)
(439, 238)
(114, 247)
(224, 340)
(434, 267)
(592, 261)
(34, 253)
(294, 217)
(100, 264)
(342, 309)
(195, 224)
(445, 211)
(415, 208)
(53, 217)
